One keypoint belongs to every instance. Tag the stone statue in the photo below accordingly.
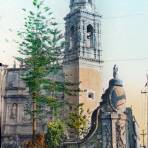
(13, 113)
(115, 72)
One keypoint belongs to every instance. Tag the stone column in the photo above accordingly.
(121, 136)
(114, 120)
(80, 34)
(106, 130)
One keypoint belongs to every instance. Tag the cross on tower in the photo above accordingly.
(143, 134)
(146, 93)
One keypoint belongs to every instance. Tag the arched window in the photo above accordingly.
(90, 32)
(72, 37)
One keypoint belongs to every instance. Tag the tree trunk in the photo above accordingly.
(78, 141)
(34, 122)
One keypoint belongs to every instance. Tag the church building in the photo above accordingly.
(112, 124)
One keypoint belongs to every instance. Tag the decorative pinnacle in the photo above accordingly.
(81, 3)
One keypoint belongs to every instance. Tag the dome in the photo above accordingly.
(118, 98)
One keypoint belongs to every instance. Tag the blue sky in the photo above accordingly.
(124, 39)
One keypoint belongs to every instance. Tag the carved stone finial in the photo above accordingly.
(14, 64)
(115, 72)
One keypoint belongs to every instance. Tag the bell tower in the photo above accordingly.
(82, 60)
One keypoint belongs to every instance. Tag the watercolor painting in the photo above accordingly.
(73, 73)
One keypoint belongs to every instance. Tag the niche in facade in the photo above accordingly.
(90, 32)
(13, 111)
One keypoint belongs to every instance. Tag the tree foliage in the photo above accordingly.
(41, 49)
(78, 121)
(55, 134)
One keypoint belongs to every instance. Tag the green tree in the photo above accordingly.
(78, 121)
(55, 134)
(41, 47)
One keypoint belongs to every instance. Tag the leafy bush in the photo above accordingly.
(55, 134)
